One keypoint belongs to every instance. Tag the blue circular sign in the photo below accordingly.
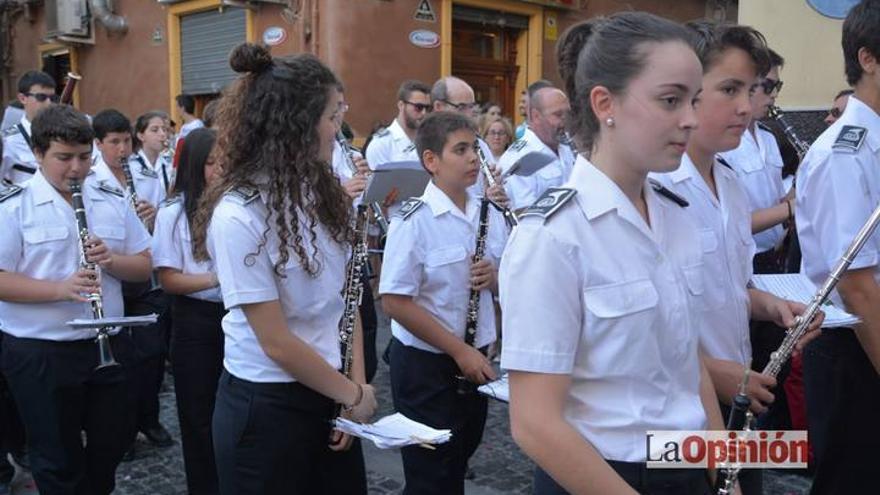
(836, 9)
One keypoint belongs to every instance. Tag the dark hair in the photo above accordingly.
(268, 131)
(844, 92)
(190, 180)
(141, 124)
(861, 29)
(410, 86)
(209, 113)
(60, 123)
(110, 120)
(611, 56)
(713, 39)
(436, 127)
(34, 78)
(567, 51)
(776, 59)
(187, 102)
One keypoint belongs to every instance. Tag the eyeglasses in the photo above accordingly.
(835, 112)
(461, 107)
(497, 133)
(420, 107)
(770, 85)
(41, 97)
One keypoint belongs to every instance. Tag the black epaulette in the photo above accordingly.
(764, 126)
(110, 188)
(244, 194)
(518, 144)
(9, 190)
(409, 207)
(410, 148)
(382, 132)
(850, 138)
(666, 193)
(170, 200)
(550, 202)
(146, 171)
(723, 162)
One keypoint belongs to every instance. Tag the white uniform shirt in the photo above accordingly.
(428, 256)
(172, 246)
(523, 191)
(312, 306)
(391, 145)
(758, 164)
(19, 163)
(11, 116)
(162, 167)
(147, 183)
(40, 241)
(187, 128)
(837, 189)
(725, 237)
(595, 293)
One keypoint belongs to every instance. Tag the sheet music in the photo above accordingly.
(498, 390)
(798, 287)
(394, 431)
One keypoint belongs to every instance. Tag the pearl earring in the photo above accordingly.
(610, 121)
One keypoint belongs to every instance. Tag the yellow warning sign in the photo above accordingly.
(551, 31)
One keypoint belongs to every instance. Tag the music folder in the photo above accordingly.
(529, 163)
(408, 177)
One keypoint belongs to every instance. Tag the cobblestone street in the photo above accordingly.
(499, 466)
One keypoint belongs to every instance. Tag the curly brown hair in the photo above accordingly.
(268, 132)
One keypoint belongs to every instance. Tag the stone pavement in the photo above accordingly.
(499, 466)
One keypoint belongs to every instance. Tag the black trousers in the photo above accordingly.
(843, 406)
(197, 361)
(424, 388)
(640, 478)
(272, 438)
(150, 350)
(11, 429)
(60, 395)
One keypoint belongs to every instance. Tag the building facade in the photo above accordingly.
(136, 55)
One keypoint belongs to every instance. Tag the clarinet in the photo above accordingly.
(781, 355)
(473, 310)
(509, 216)
(105, 352)
(353, 291)
(129, 182)
(800, 146)
(375, 209)
(740, 419)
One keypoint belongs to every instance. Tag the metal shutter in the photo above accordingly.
(206, 39)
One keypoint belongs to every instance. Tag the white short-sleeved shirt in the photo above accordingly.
(391, 144)
(428, 256)
(147, 182)
(725, 236)
(595, 293)
(523, 191)
(312, 306)
(758, 164)
(162, 167)
(187, 128)
(19, 163)
(172, 246)
(838, 187)
(41, 241)
(341, 168)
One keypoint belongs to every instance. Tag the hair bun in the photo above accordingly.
(250, 57)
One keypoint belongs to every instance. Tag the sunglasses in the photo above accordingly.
(769, 86)
(835, 112)
(420, 107)
(41, 97)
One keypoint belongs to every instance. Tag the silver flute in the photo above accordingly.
(781, 355)
(105, 353)
(375, 209)
(509, 216)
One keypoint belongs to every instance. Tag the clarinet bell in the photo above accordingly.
(105, 352)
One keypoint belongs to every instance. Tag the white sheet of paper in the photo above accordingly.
(394, 431)
(798, 287)
(498, 390)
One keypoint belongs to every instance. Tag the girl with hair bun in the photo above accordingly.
(601, 339)
(277, 227)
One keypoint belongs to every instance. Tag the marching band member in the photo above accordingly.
(732, 57)
(196, 309)
(395, 142)
(36, 91)
(281, 280)
(601, 280)
(426, 282)
(49, 366)
(150, 141)
(838, 188)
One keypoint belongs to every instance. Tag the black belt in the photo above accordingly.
(24, 168)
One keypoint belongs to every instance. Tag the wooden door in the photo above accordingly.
(485, 57)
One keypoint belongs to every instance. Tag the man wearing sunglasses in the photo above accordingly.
(36, 91)
(758, 164)
(838, 106)
(395, 142)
